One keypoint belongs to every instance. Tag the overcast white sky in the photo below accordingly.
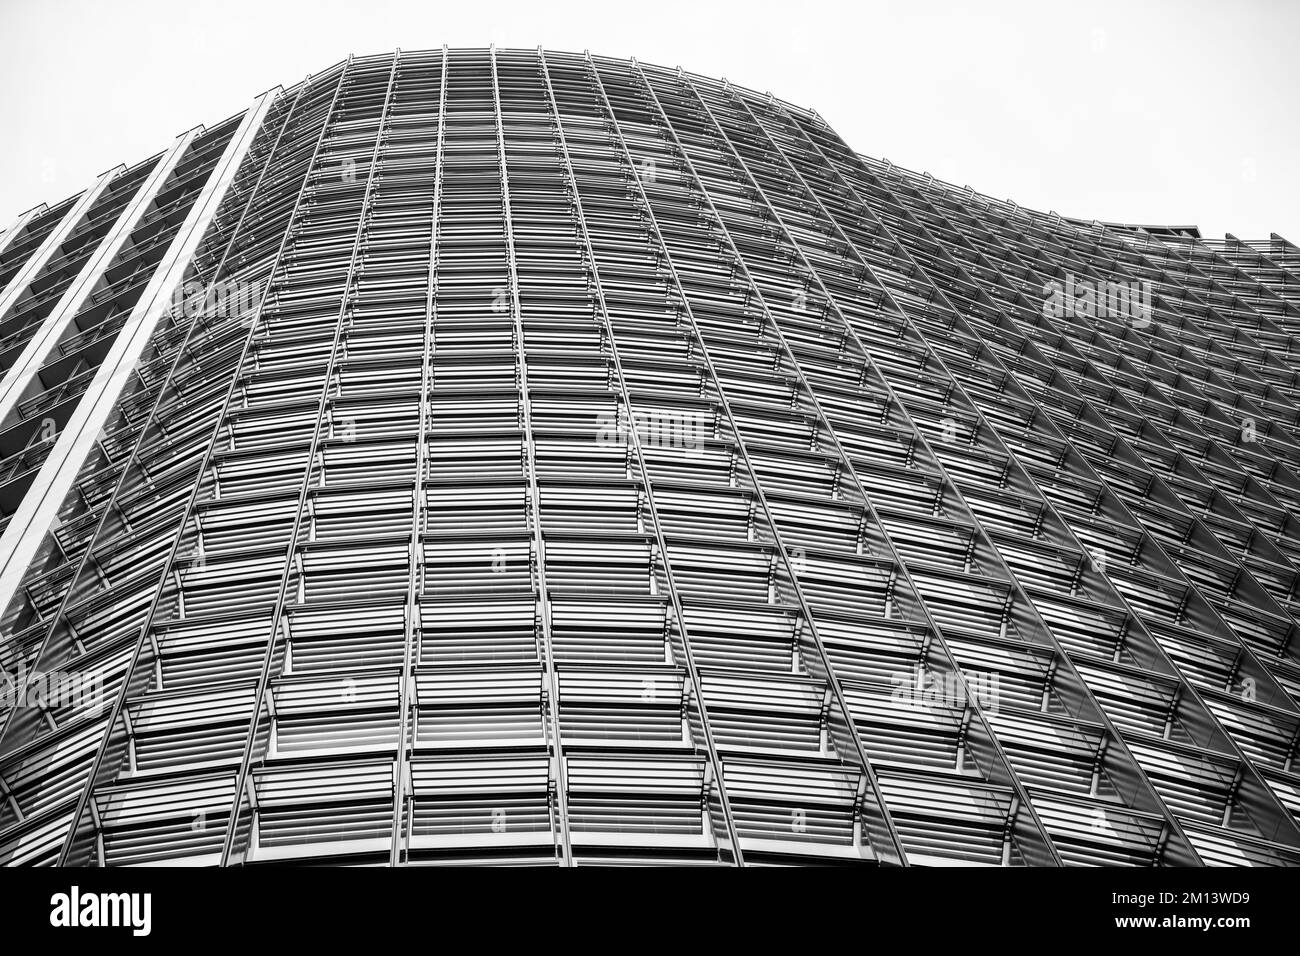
(1152, 112)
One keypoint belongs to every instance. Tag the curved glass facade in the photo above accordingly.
(485, 456)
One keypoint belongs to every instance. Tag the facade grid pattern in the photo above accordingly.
(601, 463)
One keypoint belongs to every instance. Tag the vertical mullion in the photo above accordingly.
(1285, 247)
(1101, 374)
(1113, 732)
(1188, 689)
(417, 505)
(634, 437)
(120, 700)
(110, 377)
(291, 550)
(1273, 259)
(892, 849)
(1264, 320)
(152, 417)
(1159, 263)
(1086, 249)
(976, 523)
(1192, 426)
(534, 516)
(972, 699)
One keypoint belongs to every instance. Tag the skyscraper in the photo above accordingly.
(496, 456)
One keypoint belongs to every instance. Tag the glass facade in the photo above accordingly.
(486, 456)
